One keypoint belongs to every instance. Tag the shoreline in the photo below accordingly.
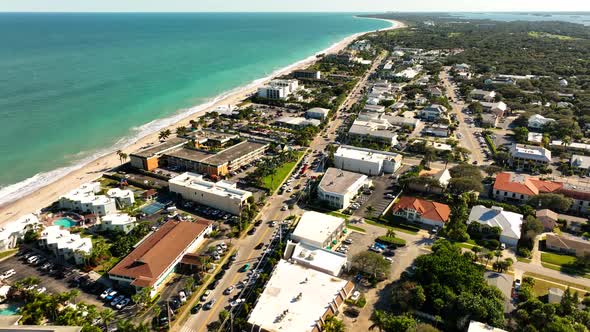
(61, 180)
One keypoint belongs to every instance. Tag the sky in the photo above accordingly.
(289, 5)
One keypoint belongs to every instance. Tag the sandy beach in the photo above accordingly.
(48, 194)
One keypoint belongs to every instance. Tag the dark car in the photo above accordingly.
(196, 308)
(259, 246)
(220, 274)
(214, 284)
(209, 305)
(258, 223)
(252, 231)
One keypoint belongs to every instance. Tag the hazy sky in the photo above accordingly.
(293, 5)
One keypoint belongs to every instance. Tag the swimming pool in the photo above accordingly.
(65, 222)
(8, 310)
(153, 208)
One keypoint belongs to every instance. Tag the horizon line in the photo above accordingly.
(294, 12)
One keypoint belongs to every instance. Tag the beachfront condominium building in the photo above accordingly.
(85, 200)
(124, 197)
(14, 231)
(338, 187)
(527, 156)
(119, 222)
(65, 245)
(221, 195)
(318, 229)
(366, 161)
(298, 298)
(149, 158)
(308, 74)
(278, 89)
(157, 256)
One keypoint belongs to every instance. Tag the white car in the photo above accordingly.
(104, 294)
(41, 290)
(182, 296)
(355, 296)
(236, 302)
(7, 274)
(206, 295)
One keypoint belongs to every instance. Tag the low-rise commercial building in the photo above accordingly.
(373, 131)
(338, 187)
(85, 200)
(509, 222)
(157, 256)
(119, 222)
(14, 231)
(65, 245)
(366, 161)
(319, 259)
(317, 113)
(374, 109)
(297, 298)
(428, 213)
(437, 130)
(222, 195)
(318, 229)
(527, 156)
(297, 122)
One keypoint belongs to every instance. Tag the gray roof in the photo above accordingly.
(530, 152)
(172, 143)
(504, 283)
(338, 181)
(364, 130)
(580, 161)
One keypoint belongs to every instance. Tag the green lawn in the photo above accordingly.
(273, 181)
(542, 286)
(557, 259)
(7, 253)
(355, 228)
(396, 229)
(523, 260)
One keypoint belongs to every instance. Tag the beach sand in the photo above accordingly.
(48, 194)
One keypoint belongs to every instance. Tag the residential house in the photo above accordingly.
(437, 130)
(489, 120)
(567, 244)
(440, 182)
(435, 92)
(580, 164)
(123, 197)
(498, 108)
(548, 218)
(13, 232)
(538, 122)
(509, 222)
(338, 187)
(418, 210)
(120, 222)
(433, 112)
(483, 95)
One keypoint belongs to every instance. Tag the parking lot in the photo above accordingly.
(380, 198)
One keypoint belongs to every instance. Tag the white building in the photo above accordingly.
(14, 231)
(527, 156)
(374, 108)
(221, 195)
(536, 138)
(297, 298)
(85, 200)
(278, 89)
(373, 130)
(498, 108)
(65, 245)
(317, 113)
(337, 187)
(483, 95)
(123, 197)
(318, 229)
(366, 161)
(509, 222)
(320, 259)
(118, 222)
(433, 112)
(538, 121)
(481, 327)
(580, 163)
(297, 122)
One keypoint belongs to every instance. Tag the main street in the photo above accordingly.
(468, 141)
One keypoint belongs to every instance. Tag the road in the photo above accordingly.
(468, 141)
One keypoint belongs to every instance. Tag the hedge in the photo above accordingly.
(394, 241)
(491, 144)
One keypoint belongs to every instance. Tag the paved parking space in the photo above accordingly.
(378, 199)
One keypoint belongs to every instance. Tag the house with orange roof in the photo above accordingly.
(419, 210)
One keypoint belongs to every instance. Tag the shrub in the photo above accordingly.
(523, 252)
(394, 241)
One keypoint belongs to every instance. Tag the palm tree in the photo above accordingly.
(390, 233)
(164, 134)
(498, 254)
(107, 316)
(332, 324)
(378, 319)
(122, 156)
(489, 256)
(370, 209)
(476, 250)
(181, 131)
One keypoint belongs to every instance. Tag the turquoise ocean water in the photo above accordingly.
(72, 85)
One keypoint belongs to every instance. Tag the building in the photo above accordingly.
(65, 245)
(580, 164)
(337, 187)
(319, 259)
(373, 131)
(13, 232)
(308, 74)
(9, 323)
(123, 197)
(157, 256)
(538, 122)
(548, 218)
(435, 92)
(221, 195)
(481, 327)
(437, 130)
(297, 298)
(567, 244)
(425, 212)
(535, 138)
(278, 89)
(297, 122)
(519, 188)
(555, 295)
(527, 156)
(317, 113)
(498, 108)
(402, 121)
(374, 109)
(440, 176)
(85, 200)
(149, 159)
(574, 146)
(489, 120)
(509, 222)
(433, 112)
(500, 80)
(217, 164)
(119, 222)
(483, 95)
(504, 283)
(318, 229)
(366, 161)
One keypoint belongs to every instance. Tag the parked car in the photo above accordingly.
(106, 292)
(122, 304)
(228, 290)
(117, 300)
(206, 295)
(196, 308)
(7, 274)
(182, 296)
(209, 305)
(111, 295)
(355, 296)
(41, 290)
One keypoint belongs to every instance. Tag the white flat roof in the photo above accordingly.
(119, 218)
(352, 152)
(316, 226)
(221, 188)
(18, 225)
(481, 327)
(294, 298)
(324, 259)
(119, 193)
(66, 240)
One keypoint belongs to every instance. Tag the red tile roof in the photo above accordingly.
(157, 252)
(523, 184)
(426, 209)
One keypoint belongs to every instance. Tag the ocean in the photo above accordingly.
(574, 17)
(74, 86)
